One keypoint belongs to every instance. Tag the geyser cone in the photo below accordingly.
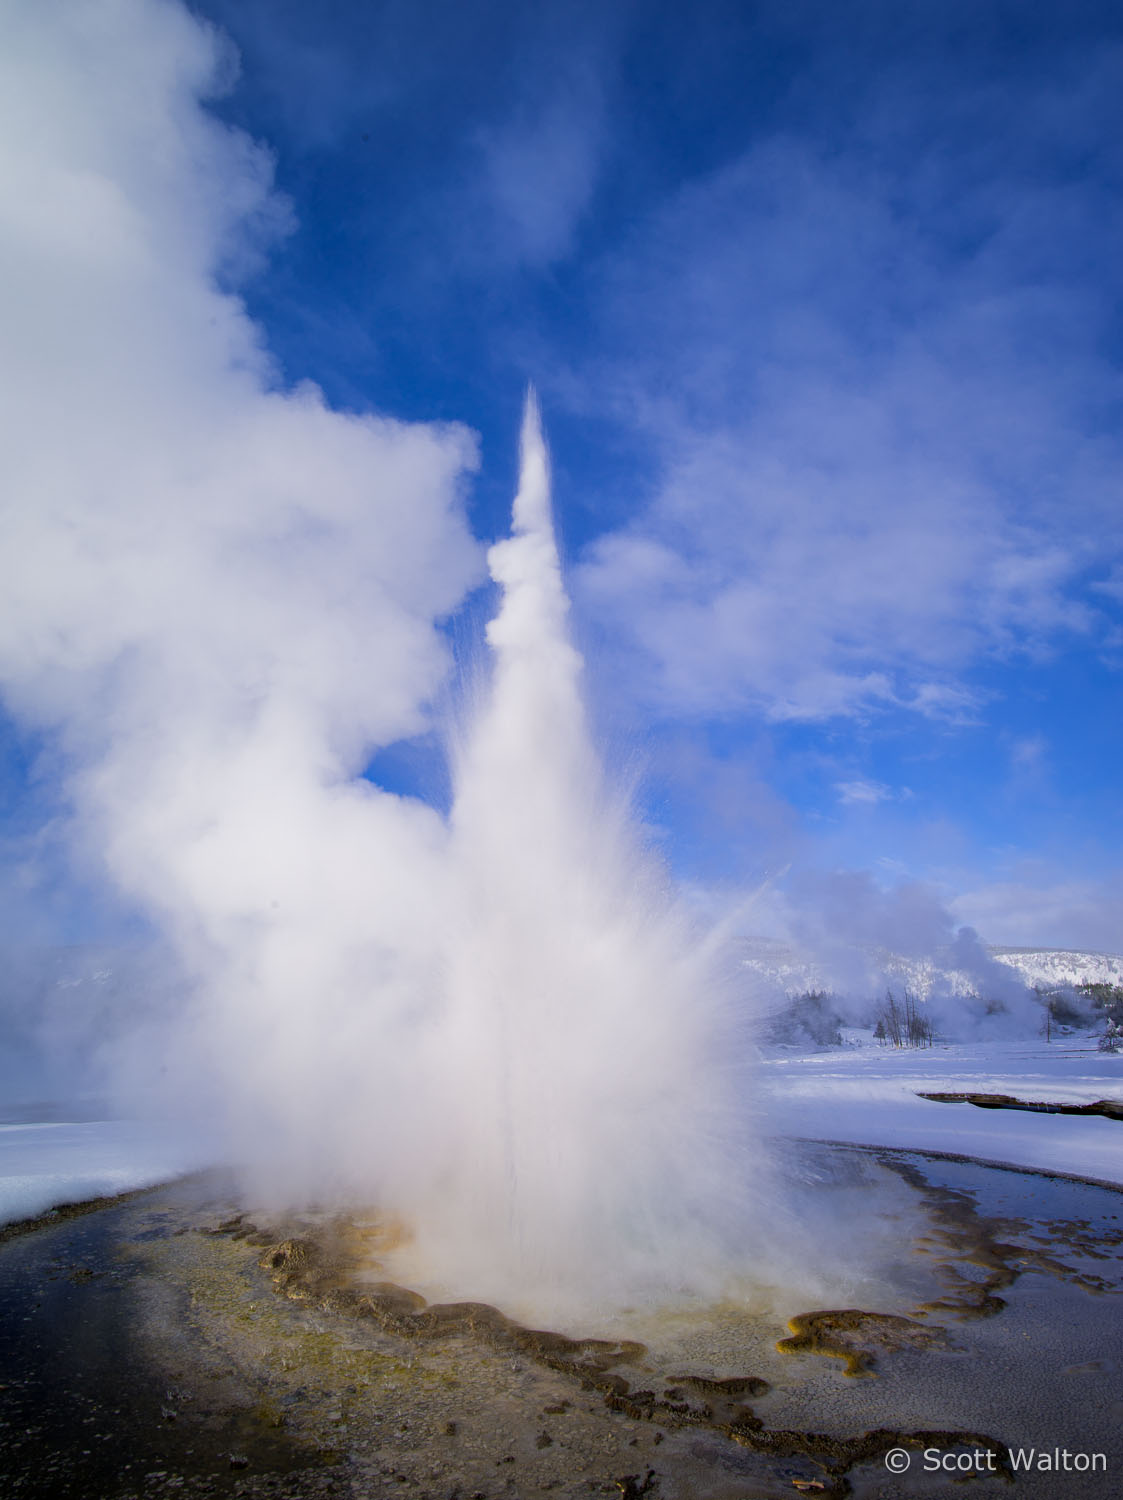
(596, 1140)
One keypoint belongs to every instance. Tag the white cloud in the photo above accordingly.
(948, 701)
(1046, 910)
(1112, 586)
(1028, 754)
(867, 793)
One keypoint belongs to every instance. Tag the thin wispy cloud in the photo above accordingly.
(876, 473)
(1085, 911)
(865, 793)
(539, 170)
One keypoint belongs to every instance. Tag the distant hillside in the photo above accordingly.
(1054, 967)
(967, 991)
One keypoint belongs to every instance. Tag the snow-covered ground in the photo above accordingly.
(47, 1163)
(868, 1094)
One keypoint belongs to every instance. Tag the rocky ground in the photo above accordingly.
(147, 1352)
(171, 1343)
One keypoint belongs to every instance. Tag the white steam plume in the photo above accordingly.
(857, 940)
(217, 599)
(596, 1106)
(217, 596)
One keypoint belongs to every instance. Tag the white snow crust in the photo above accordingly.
(46, 1164)
(868, 1094)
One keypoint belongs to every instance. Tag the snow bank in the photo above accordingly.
(869, 1096)
(44, 1165)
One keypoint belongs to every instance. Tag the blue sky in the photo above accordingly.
(822, 304)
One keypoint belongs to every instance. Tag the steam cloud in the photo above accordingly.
(219, 598)
(861, 940)
(218, 595)
(603, 1115)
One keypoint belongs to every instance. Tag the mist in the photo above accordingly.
(221, 598)
(844, 933)
(598, 1053)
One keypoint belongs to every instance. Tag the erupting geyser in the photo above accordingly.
(593, 1139)
(497, 1026)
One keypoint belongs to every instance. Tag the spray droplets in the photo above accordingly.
(594, 1124)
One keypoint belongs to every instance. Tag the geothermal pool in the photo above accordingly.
(180, 1341)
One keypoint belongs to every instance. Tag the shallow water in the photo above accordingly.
(995, 1308)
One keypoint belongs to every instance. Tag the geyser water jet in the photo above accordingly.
(594, 1121)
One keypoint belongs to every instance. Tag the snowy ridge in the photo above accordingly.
(1053, 968)
(1046, 968)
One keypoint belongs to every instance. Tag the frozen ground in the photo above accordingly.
(47, 1163)
(868, 1094)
